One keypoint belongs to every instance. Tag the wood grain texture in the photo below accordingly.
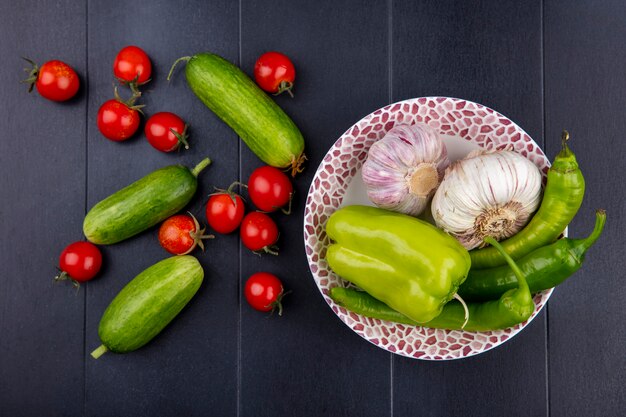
(488, 52)
(42, 164)
(307, 363)
(585, 84)
(191, 367)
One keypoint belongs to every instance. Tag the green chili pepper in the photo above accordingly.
(543, 268)
(562, 198)
(407, 263)
(514, 306)
(451, 317)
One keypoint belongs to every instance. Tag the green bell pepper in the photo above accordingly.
(514, 306)
(406, 263)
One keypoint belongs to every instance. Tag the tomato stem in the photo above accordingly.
(184, 58)
(182, 137)
(197, 235)
(198, 168)
(285, 86)
(272, 250)
(234, 184)
(233, 195)
(278, 304)
(99, 351)
(64, 276)
(288, 211)
(130, 103)
(134, 84)
(33, 73)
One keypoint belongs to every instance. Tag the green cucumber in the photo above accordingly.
(148, 303)
(243, 106)
(142, 204)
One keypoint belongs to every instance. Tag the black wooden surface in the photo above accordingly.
(585, 64)
(547, 65)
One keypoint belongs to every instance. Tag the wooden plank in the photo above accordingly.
(307, 363)
(42, 188)
(489, 52)
(585, 84)
(192, 366)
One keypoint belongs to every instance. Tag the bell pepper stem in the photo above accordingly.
(465, 309)
(521, 281)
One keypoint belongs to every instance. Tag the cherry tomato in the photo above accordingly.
(166, 131)
(80, 262)
(224, 211)
(275, 73)
(132, 65)
(117, 121)
(180, 234)
(264, 292)
(55, 80)
(270, 189)
(259, 232)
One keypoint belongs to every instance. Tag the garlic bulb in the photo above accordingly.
(487, 194)
(404, 168)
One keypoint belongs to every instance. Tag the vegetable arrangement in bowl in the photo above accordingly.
(386, 276)
(485, 197)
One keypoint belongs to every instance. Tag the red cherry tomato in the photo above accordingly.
(80, 262)
(55, 80)
(224, 212)
(270, 189)
(180, 234)
(264, 292)
(259, 232)
(166, 131)
(275, 73)
(117, 121)
(132, 65)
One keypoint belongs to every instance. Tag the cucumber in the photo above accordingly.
(148, 303)
(142, 204)
(243, 106)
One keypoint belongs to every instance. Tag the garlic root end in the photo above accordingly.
(423, 181)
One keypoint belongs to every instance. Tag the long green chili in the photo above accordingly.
(543, 268)
(562, 198)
